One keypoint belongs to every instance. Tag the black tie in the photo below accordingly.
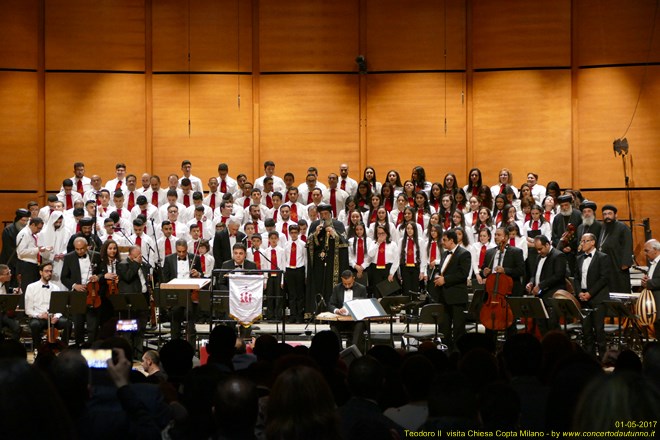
(182, 259)
(46, 286)
(82, 256)
(588, 255)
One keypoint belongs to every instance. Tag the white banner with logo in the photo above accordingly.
(246, 293)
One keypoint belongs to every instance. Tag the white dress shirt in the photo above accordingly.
(37, 298)
(391, 255)
(195, 183)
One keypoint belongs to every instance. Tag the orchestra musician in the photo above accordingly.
(343, 292)
(37, 302)
(183, 264)
(134, 277)
(81, 271)
(591, 287)
(651, 280)
(548, 276)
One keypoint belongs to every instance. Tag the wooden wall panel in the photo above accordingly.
(614, 32)
(520, 33)
(10, 202)
(220, 131)
(19, 23)
(607, 98)
(643, 206)
(84, 35)
(18, 131)
(522, 121)
(405, 124)
(217, 29)
(410, 35)
(314, 35)
(309, 120)
(98, 119)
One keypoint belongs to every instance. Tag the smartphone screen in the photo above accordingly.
(127, 325)
(96, 358)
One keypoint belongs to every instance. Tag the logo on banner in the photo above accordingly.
(246, 297)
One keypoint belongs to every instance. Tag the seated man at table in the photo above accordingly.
(343, 292)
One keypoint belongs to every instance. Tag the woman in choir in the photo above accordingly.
(355, 218)
(358, 254)
(423, 211)
(382, 219)
(349, 206)
(450, 184)
(412, 261)
(363, 195)
(433, 220)
(516, 239)
(525, 213)
(475, 182)
(485, 197)
(511, 198)
(387, 196)
(384, 257)
(536, 226)
(374, 204)
(409, 215)
(446, 208)
(505, 178)
(552, 189)
(409, 192)
(549, 209)
(394, 179)
(462, 237)
(509, 216)
(397, 213)
(498, 215)
(478, 250)
(435, 197)
(460, 200)
(109, 284)
(525, 191)
(434, 247)
(485, 221)
(370, 177)
(473, 214)
(418, 177)
(457, 219)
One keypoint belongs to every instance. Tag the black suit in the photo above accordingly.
(71, 275)
(357, 328)
(222, 250)
(559, 226)
(553, 278)
(598, 287)
(616, 241)
(592, 229)
(170, 272)
(453, 294)
(129, 282)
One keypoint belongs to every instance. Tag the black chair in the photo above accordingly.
(428, 314)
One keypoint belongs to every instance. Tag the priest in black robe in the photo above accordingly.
(616, 241)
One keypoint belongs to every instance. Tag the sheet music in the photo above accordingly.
(186, 283)
(364, 308)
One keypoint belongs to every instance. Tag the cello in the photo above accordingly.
(495, 313)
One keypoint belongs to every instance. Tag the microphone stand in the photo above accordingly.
(157, 272)
(257, 250)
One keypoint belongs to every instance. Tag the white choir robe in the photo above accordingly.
(209, 262)
(86, 184)
(475, 251)
(195, 183)
(423, 256)
(340, 198)
(104, 212)
(495, 190)
(162, 211)
(545, 228)
(110, 185)
(189, 213)
(232, 184)
(91, 195)
(161, 245)
(538, 192)
(262, 216)
(218, 200)
(75, 196)
(162, 196)
(391, 255)
(352, 254)
(116, 237)
(281, 241)
(278, 184)
(351, 185)
(279, 227)
(301, 210)
(152, 214)
(208, 229)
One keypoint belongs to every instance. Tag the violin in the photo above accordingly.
(567, 236)
(113, 284)
(495, 313)
(93, 297)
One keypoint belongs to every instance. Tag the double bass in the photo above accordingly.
(495, 313)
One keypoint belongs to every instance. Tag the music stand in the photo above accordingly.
(9, 302)
(129, 302)
(68, 303)
(566, 309)
(387, 288)
(621, 311)
(527, 307)
(389, 304)
(475, 307)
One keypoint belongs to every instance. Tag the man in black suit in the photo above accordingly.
(651, 281)
(345, 291)
(134, 276)
(9, 234)
(224, 242)
(450, 287)
(80, 268)
(237, 263)
(507, 260)
(548, 276)
(591, 286)
(183, 264)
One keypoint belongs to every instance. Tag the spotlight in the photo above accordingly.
(621, 147)
(362, 63)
